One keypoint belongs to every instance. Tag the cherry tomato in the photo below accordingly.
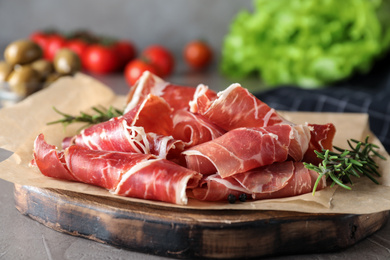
(126, 51)
(161, 58)
(197, 54)
(135, 68)
(55, 42)
(79, 47)
(40, 38)
(100, 59)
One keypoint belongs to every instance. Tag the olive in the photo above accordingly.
(22, 52)
(43, 67)
(24, 80)
(5, 70)
(66, 62)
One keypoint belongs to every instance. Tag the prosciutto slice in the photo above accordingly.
(194, 129)
(268, 178)
(50, 162)
(321, 138)
(300, 138)
(136, 131)
(302, 181)
(215, 188)
(178, 97)
(127, 174)
(173, 139)
(277, 180)
(143, 115)
(240, 150)
(158, 179)
(233, 108)
(165, 147)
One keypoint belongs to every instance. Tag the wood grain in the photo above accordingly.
(182, 233)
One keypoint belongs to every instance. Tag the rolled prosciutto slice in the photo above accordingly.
(215, 188)
(194, 129)
(277, 180)
(321, 137)
(158, 179)
(300, 138)
(126, 174)
(165, 147)
(178, 97)
(240, 150)
(233, 108)
(301, 182)
(50, 162)
(136, 131)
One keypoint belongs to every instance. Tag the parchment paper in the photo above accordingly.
(21, 124)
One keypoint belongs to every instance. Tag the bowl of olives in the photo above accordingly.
(24, 69)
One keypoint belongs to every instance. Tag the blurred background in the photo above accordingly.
(171, 23)
(331, 55)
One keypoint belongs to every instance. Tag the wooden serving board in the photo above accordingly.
(182, 233)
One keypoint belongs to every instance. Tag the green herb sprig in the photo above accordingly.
(340, 165)
(102, 115)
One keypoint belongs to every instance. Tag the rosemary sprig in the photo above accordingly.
(102, 115)
(340, 165)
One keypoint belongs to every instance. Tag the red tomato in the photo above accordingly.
(55, 42)
(100, 59)
(126, 51)
(42, 39)
(197, 54)
(135, 68)
(161, 58)
(79, 47)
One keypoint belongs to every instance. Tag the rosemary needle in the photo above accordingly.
(102, 115)
(340, 165)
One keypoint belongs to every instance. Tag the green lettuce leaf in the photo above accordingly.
(306, 43)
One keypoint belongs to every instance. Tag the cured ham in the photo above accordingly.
(201, 100)
(240, 150)
(177, 96)
(127, 174)
(233, 108)
(165, 147)
(215, 188)
(158, 179)
(193, 129)
(174, 139)
(321, 137)
(135, 131)
(302, 181)
(267, 179)
(143, 115)
(49, 161)
(277, 180)
(300, 138)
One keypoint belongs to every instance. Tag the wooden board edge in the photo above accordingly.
(157, 233)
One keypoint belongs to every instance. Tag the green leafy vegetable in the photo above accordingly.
(341, 164)
(306, 43)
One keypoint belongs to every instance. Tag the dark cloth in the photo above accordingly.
(368, 93)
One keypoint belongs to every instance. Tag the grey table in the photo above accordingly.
(24, 238)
